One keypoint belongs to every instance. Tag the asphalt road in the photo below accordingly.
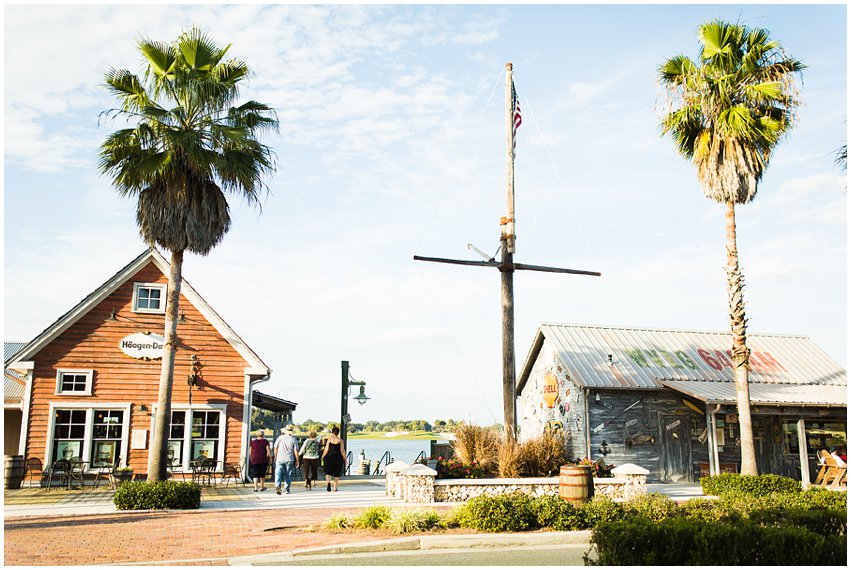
(561, 555)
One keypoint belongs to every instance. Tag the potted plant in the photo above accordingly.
(122, 474)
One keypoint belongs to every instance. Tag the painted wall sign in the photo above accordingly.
(715, 359)
(550, 389)
(142, 345)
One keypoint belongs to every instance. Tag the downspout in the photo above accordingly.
(246, 414)
(803, 455)
(712, 442)
(26, 404)
(587, 425)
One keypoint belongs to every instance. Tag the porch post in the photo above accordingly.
(712, 442)
(802, 454)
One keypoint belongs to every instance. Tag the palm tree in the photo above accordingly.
(727, 112)
(190, 146)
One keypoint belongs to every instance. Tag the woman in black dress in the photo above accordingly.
(334, 458)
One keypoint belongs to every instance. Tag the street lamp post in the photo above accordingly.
(345, 419)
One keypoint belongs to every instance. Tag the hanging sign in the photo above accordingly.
(550, 389)
(142, 345)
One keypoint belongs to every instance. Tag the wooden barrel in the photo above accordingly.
(13, 473)
(575, 483)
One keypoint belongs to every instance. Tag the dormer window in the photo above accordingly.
(149, 297)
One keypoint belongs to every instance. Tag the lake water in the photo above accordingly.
(405, 450)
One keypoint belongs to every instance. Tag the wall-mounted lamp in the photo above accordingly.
(194, 375)
(604, 448)
(143, 408)
(182, 318)
(112, 316)
(597, 397)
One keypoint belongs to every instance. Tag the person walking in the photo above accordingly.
(286, 458)
(334, 458)
(310, 458)
(259, 457)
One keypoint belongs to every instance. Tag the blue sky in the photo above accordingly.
(392, 144)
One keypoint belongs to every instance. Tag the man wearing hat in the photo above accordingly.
(286, 458)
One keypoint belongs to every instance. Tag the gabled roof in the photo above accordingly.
(125, 274)
(631, 357)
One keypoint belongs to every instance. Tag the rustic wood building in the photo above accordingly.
(90, 380)
(665, 399)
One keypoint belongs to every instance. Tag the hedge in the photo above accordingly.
(140, 495)
(753, 485)
(639, 541)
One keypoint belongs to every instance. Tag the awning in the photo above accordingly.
(764, 394)
(271, 403)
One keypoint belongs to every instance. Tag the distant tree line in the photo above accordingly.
(260, 419)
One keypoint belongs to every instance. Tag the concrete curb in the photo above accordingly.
(432, 542)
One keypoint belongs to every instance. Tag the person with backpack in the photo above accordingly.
(310, 459)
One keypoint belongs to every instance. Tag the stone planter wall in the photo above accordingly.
(417, 484)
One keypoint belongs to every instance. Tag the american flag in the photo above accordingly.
(518, 120)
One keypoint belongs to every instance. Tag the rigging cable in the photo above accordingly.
(528, 105)
(457, 346)
(475, 126)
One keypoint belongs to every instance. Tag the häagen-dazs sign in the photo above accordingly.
(142, 345)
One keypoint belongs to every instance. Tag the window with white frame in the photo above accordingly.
(77, 382)
(196, 433)
(69, 434)
(107, 429)
(149, 297)
(95, 434)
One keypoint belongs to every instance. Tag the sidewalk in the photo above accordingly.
(82, 527)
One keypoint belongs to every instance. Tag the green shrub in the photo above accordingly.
(753, 485)
(557, 514)
(825, 522)
(639, 541)
(338, 521)
(511, 512)
(653, 506)
(600, 509)
(372, 517)
(140, 495)
(709, 511)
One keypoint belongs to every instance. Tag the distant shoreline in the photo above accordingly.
(402, 436)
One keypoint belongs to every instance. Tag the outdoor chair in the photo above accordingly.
(77, 472)
(230, 471)
(831, 475)
(107, 469)
(175, 468)
(33, 465)
(240, 471)
(61, 471)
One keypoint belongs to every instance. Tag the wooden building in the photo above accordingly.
(90, 380)
(665, 399)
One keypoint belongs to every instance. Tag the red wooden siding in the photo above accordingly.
(92, 344)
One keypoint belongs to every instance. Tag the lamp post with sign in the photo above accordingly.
(361, 398)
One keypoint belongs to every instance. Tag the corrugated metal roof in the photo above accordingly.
(764, 394)
(13, 390)
(11, 348)
(643, 357)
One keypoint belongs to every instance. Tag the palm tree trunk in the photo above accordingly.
(738, 324)
(158, 457)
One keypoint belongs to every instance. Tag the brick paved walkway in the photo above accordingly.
(168, 536)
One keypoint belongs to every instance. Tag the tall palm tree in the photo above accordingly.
(727, 112)
(190, 146)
